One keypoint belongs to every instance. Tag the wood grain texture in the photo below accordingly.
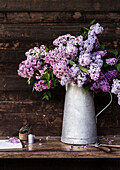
(59, 17)
(53, 148)
(37, 32)
(59, 5)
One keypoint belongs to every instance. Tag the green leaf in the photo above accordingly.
(45, 97)
(49, 94)
(41, 55)
(92, 22)
(47, 49)
(105, 65)
(118, 67)
(102, 47)
(83, 68)
(30, 80)
(33, 89)
(46, 76)
(48, 84)
(71, 62)
(115, 52)
(85, 29)
(86, 87)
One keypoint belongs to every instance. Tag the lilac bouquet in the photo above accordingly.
(81, 60)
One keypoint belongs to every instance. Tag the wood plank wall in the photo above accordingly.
(28, 23)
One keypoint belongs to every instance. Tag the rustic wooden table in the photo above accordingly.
(51, 147)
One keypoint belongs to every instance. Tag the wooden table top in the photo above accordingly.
(51, 147)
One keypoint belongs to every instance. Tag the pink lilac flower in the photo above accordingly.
(25, 72)
(111, 61)
(40, 86)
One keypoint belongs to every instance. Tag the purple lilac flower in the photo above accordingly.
(85, 59)
(97, 57)
(64, 80)
(102, 53)
(101, 84)
(94, 71)
(112, 74)
(40, 86)
(74, 71)
(14, 140)
(111, 61)
(104, 85)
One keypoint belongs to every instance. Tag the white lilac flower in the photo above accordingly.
(94, 71)
(97, 28)
(115, 86)
(116, 89)
(85, 59)
(81, 78)
(118, 98)
(71, 50)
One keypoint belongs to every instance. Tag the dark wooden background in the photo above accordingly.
(28, 23)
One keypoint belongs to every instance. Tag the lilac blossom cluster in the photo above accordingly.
(40, 86)
(75, 59)
(34, 66)
(111, 61)
(79, 51)
(116, 89)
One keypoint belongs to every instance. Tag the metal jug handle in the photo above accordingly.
(105, 106)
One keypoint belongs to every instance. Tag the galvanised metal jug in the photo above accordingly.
(79, 120)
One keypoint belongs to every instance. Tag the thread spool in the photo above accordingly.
(30, 138)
